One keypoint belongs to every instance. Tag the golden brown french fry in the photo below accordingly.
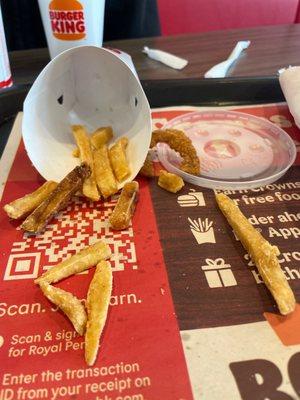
(57, 199)
(98, 299)
(124, 209)
(69, 304)
(85, 259)
(104, 175)
(76, 152)
(117, 156)
(25, 205)
(263, 254)
(101, 136)
(124, 142)
(170, 182)
(83, 142)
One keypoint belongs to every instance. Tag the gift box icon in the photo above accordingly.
(202, 230)
(218, 273)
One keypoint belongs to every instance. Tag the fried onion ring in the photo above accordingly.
(179, 142)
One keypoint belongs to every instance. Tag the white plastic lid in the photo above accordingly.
(236, 150)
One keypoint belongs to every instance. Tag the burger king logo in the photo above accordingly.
(67, 19)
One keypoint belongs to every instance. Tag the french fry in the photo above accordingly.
(101, 136)
(124, 142)
(263, 254)
(58, 199)
(76, 152)
(104, 175)
(98, 299)
(124, 209)
(170, 182)
(118, 161)
(83, 142)
(69, 304)
(25, 205)
(85, 259)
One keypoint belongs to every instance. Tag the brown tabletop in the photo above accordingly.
(272, 47)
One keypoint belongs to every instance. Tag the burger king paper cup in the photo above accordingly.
(90, 86)
(72, 23)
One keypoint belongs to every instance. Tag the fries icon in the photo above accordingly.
(202, 230)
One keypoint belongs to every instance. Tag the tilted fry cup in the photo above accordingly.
(89, 86)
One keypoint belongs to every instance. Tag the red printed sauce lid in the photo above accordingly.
(236, 150)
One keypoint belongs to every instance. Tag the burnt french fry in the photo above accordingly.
(118, 161)
(104, 175)
(83, 142)
(68, 303)
(25, 205)
(263, 254)
(101, 136)
(57, 200)
(170, 182)
(85, 259)
(124, 209)
(98, 299)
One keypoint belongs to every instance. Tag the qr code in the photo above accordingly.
(81, 224)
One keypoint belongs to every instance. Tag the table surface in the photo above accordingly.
(272, 47)
(215, 316)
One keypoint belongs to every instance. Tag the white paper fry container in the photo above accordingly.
(90, 86)
(72, 23)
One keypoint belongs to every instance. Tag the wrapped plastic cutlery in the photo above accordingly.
(220, 70)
